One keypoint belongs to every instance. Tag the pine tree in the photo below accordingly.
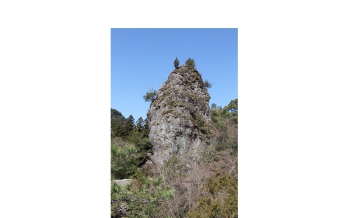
(140, 198)
(150, 96)
(176, 63)
(140, 124)
(129, 125)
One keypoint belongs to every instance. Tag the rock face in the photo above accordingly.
(179, 118)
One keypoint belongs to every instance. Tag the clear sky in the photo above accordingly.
(143, 58)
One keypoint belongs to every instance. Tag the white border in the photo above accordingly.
(55, 92)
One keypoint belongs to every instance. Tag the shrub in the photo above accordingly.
(220, 198)
(209, 154)
(171, 168)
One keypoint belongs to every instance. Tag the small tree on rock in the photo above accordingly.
(190, 63)
(207, 84)
(176, 63)
(150, 96)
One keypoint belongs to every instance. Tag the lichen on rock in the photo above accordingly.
(179, 118)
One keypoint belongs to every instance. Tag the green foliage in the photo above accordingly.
(134, 134)
(151, 95)
(176, 63)
(117, 115)
(117, 129)
(207, 84)
(199, 121)
(220, 198)
(140, 198)
(141, 140)
(140, 123)
(117, 122)
(122, 129)
(129, 124)
(231, 109)
(123, 161)
(190, 63)
(226, 122)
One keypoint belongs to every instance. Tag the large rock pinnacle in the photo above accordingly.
(179, 118)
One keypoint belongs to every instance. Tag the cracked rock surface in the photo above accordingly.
(179, 118)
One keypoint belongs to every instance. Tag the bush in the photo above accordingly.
(220, 198)
(172, 168)
(209, 154)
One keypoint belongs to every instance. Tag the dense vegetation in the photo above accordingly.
(129, 145)
(219, 198)
(207, 189)
(132, 132)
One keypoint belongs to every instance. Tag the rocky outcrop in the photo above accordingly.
(179, 118)
(122, 182)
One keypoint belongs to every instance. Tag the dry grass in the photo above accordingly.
(189, 179)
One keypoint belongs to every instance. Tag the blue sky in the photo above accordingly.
(143, 58)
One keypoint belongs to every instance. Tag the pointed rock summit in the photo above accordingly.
(179, 118)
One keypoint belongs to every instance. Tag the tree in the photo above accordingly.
(123, 161)
(117, 129)
(117, 116)
(207, 84)
(176, 63)
(151, 95)
(129, 125)
(140, 124)
(190, 63)
(140, 198)
(232, 106)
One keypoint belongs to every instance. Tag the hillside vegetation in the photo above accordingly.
(206, 189)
